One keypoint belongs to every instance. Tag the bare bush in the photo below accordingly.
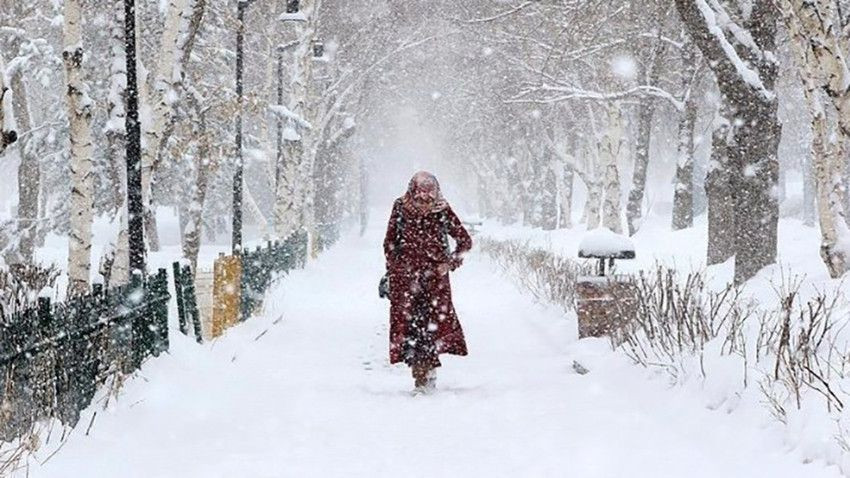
(802, 339)
(676, 317)
(20, 284)
(549, 277)
(792, 344)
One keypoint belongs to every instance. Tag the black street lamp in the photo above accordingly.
(241, 7)
(279, 163)
(135, 227)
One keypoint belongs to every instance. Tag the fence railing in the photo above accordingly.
(261, 264)
(240, 282)
(187, 303)
(53, 357)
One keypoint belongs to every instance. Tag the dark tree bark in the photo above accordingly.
(549, 196)
(683, 195)
(721, 202)
(755, 130)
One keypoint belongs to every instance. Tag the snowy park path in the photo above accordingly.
(306, 390)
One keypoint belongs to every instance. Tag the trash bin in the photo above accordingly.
(605, 301)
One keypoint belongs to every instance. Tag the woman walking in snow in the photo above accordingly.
(423, 322)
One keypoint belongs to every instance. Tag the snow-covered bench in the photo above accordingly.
(604, 301)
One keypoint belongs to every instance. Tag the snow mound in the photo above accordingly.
(603, 242)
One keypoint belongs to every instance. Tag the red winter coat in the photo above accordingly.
(413, 271)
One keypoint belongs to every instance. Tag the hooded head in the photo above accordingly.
(423, 194)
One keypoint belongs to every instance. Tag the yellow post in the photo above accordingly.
(227, 273)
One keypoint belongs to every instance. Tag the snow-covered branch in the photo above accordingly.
(563, 93)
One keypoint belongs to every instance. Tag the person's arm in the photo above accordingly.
(461, 237)
(392, 234)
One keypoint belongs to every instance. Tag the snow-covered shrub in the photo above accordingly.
(801, 342)
(787, 357)
(678, 316)
(20, 285)
(547, 276)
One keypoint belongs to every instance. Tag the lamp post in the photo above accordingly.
(279, 162)
(241, 8)
(135, 227)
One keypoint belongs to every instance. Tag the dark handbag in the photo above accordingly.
(384, 287)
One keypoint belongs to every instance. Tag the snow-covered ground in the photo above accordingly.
(306, 390)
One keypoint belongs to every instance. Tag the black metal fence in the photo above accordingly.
(261, 264)
(187, 303)
(54, 357)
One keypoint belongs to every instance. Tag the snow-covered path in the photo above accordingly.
(306, 390)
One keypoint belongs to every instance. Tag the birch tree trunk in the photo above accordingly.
(293, 202)
(610, 148)
(822, 67)
(312, 137)
(115, 132)
(592, 206)
(7, 133)
(565, 196)
(29, 173)
(162, 101)
(193, 229)
(809, 193)
(79, 116)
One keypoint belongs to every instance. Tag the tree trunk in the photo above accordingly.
(550, 194)
(609, 153)
(592, 206)
(829, 171)
(29, 174)
(756, 208)
(646, 111)
(363, 197)
(683, 196)
(821, 66)
(721, 201)
(195, 209)
(116, 138)
(287, 204)
(748, 91)
(292, 198)
(565, 198)
(79, 115)
(163, 86)
(7, 134)
(808, 192)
